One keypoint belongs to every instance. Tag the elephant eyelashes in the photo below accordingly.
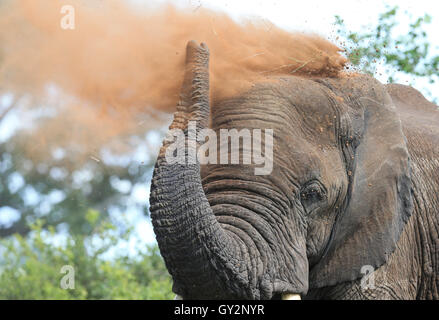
(312, 196)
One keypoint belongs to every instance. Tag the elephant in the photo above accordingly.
(350, 209)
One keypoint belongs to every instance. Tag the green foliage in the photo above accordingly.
(31, 267)
(408, 54)
(50, 175)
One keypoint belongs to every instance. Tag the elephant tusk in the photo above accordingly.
(291, 296)
(178, 297)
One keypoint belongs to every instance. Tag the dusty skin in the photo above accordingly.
(354, 184)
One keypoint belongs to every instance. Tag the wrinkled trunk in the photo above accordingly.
(204, 259)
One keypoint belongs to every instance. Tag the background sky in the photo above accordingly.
(317, 15)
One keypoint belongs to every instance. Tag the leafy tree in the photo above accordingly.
(53, 204)
(49, 187)
(31, 268)
(409, 54)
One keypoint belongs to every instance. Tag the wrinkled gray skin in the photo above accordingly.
(355, 182)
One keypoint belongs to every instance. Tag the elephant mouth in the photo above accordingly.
(283, 296)
(291, 296)
(286, 296)
(285, 290)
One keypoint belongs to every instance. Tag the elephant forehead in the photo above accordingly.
(308, 161)
(293, 107)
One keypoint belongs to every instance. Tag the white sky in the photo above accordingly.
(316, 15)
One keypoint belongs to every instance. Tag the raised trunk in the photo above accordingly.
(201, 256)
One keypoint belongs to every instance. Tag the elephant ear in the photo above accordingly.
(379, 200)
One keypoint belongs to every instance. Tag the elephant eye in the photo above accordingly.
(312, 196)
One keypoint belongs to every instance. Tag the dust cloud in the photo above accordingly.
(122, 60)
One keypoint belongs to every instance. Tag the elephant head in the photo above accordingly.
(337, 198)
